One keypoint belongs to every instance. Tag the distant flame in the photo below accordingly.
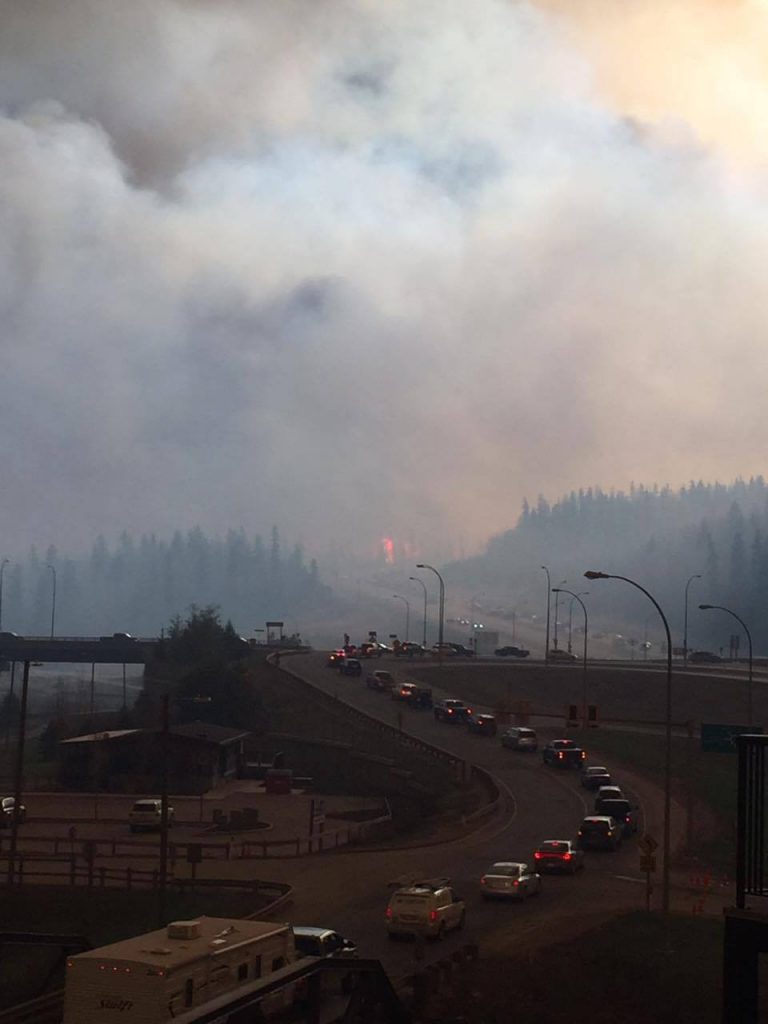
(388, 547)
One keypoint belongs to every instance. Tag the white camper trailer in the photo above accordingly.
(152, 978)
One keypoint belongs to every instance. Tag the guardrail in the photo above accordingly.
(403, 738)
(71, 865)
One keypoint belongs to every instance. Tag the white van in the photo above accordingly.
(520, 738)
(153, 978)
(430, 908)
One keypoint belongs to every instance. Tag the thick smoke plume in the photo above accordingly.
(369, 269)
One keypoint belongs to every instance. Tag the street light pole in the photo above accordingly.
(53, 600)
(549, 600)
(719, 608)
(441, 611)
(696, 576)
(577, 597)
(424, 585)
(666, 844)
(557, 598)
(407, 614)
(6, 561)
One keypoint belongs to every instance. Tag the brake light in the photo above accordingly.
(561, 755)
(469, 711)
(516, 883)
(388, 914)
(482, 880)
(537, 856)
(433, 915)
(566, 856)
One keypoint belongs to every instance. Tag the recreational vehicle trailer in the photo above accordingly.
(153, 978)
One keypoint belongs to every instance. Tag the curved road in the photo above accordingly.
(348, 890)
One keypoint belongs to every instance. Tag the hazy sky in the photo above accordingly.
(367, 268)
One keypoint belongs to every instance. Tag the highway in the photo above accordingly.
(348, 891)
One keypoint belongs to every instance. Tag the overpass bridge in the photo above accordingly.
(118, 649)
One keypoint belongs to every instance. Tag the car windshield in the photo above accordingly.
(554, 846)
(144, 805)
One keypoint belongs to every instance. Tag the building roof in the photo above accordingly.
(156, 949)
(96, 737)
(221, 735)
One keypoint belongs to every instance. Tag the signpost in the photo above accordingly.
(647, 846)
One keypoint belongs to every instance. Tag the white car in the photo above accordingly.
(147, 814)
(510, 880)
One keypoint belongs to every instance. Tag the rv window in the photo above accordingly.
(242, 972)
(278, 962)
(257, 967)
(189, 991)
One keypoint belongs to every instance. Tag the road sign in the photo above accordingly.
(648, 844)
(647, 863)
(720, 739)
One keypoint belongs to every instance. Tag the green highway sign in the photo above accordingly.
(721, 739)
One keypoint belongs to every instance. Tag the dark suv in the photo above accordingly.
(563, 754)
(598, 832)
(622, 812)
(450, 710)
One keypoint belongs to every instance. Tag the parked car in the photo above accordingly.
(563, 754)
(450, 710)
(430, 908)
(520, 738)
(510, 880)
(483, 725)
(623, 813)
(511, 651)
(599, 832)
(7, 805)
(380, 680)
(559, 855)
(147, 815)
(560, 655)
(351, 667)
(595, 776)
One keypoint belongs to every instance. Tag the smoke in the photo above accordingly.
(373, 270)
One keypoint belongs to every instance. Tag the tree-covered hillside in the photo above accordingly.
(138, 586)
(657, 536)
